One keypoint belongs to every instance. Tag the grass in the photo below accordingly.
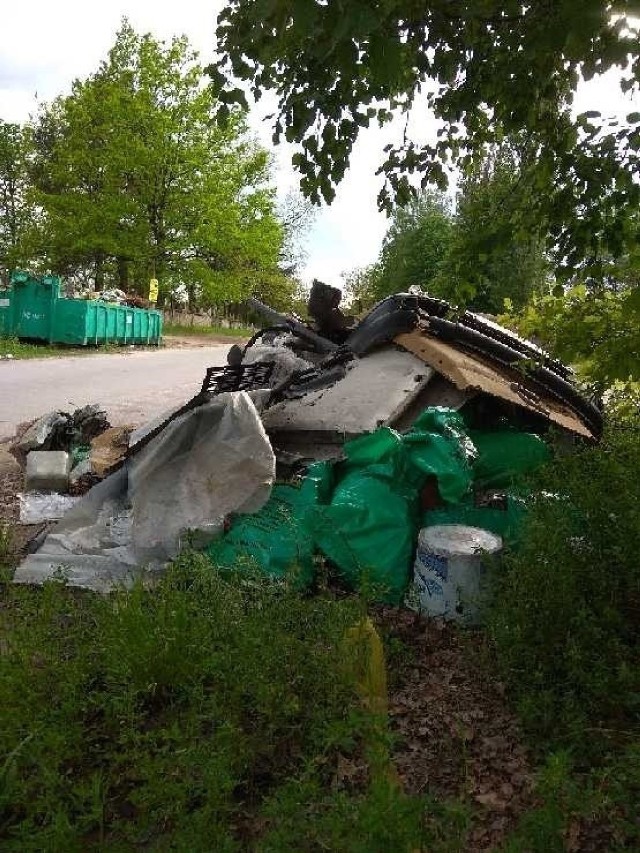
(205, 714)
(19, 349)
(217, 331)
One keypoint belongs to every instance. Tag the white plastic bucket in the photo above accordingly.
(448, 571)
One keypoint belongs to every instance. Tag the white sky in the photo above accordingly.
(46, 45)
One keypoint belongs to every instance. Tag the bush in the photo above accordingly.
(566, 620)
(186, 718)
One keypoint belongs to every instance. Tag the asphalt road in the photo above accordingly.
(133, 387)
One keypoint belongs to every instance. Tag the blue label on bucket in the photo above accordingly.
(428, 585)
(433, 587)
(439, 565)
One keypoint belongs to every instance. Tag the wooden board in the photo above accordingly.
(471, 372)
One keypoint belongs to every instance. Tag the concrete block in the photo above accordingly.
(48, 471)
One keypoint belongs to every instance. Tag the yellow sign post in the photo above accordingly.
(153, 290)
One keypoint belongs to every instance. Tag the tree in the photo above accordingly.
(488, 69)
(138, 181)
(591, 323)
(79, 181)
(14, 204)
(479, 256)
(360, 287)
(496, 251)
(415, 245)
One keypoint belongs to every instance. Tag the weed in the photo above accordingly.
(7, 550)
(565, 620)
(19, 349)
(6, 541)
(205, 714)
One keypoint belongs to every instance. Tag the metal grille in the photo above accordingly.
(237, 377)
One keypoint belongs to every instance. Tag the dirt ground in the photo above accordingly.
(199, 341)
(455, 737)
(11, 483)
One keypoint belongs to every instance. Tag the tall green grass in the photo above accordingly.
(204, 714)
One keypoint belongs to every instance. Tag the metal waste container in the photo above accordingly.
(32, 308)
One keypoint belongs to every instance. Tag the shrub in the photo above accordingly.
(566, 620)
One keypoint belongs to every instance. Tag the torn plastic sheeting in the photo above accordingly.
(90, 547)
(212, 461)
(208, 463)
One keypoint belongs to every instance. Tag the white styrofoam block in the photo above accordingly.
(47, 471)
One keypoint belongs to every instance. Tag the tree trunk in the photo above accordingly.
(99, 272)
(123, 274)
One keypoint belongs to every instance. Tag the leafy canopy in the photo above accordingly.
(136, 178)
(488, 69)
(497, 250)
(15, 211)
(594, 329)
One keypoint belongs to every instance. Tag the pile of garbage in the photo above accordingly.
(110, 295)
(116, 296)
(332, 442)
(64, 454)
(364, 512)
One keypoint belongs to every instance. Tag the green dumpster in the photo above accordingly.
(6, 316)
(32, 308)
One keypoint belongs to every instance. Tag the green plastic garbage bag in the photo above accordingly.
(368, 531)
(505, 455)
(371, 523)
(507, 522)
(380, 454)
(438, 445)
(277, 540)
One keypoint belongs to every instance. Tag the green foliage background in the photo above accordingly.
(478, 255)
(131, 177)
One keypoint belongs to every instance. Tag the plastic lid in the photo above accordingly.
(459, 539)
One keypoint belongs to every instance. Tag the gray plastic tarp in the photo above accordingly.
(211, 461)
